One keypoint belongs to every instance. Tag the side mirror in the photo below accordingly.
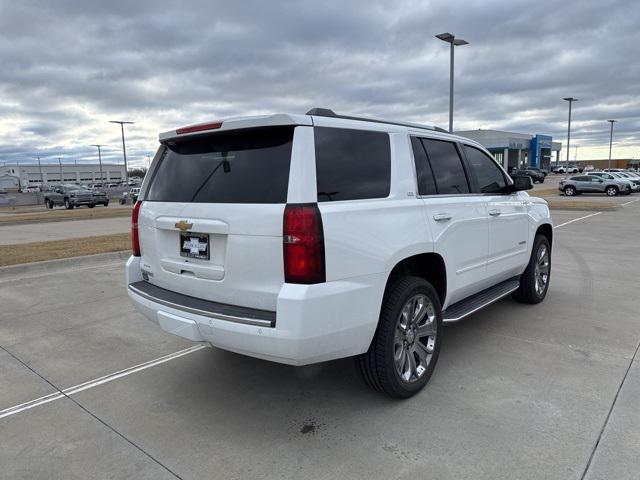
(521, 182)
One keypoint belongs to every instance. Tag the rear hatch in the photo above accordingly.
(210, 225)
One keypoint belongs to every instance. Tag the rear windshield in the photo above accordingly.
(243, 166)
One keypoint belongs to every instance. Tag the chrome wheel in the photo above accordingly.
(541, 270)
(612, 191)
(414, 338)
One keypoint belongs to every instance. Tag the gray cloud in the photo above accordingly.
(69, 67)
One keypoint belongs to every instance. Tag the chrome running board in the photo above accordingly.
(463, 308)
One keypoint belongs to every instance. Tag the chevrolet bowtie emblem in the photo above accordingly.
(184, 225)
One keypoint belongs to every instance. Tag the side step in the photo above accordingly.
(475, 302)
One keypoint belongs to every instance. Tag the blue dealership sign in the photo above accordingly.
(537, 143)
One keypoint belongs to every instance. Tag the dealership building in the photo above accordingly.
(517, 150)
(33, 175)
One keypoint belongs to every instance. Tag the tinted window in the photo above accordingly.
(446, 166)
(426, 183)
(488, 174)
(352, 164)
(243, 166)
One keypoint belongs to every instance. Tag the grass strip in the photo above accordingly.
(64, 215)
(56, 249)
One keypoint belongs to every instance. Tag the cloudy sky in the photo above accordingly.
(68, 67)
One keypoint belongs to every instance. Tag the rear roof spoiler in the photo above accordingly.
(241, 122)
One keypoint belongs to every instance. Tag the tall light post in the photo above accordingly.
(124, 150)
(611, 140)
(60, 163)
(100, 161)
(570, 100)
(453, 42)
(40, 169)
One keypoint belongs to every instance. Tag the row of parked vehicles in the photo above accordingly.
(73, 195)
(611, 182)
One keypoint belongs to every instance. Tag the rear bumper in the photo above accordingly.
(312, 323)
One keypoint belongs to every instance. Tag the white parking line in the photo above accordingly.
(97, 381)
(632, 201)
(577, 219)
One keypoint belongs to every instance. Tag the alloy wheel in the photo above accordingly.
(541, 270)
(415, 338)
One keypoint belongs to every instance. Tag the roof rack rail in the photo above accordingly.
(327, 112)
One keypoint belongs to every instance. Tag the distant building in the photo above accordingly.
(601, 164)
(30, 175)
(516, 150)
(10, 183)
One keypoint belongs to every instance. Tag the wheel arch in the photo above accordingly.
(546, 230)
(428, 265)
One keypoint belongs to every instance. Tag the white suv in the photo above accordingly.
(306, 238)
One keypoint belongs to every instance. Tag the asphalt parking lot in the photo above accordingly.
(548, 391)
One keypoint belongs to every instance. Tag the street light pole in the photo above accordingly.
(611, 140)
(60, 163)
(453, 42)
(40, 169)
(124, 150)
(570, 100)
(100, 161)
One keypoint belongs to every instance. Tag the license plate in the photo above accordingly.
(194, 245)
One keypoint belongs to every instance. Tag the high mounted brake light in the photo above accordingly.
(303, 244)
(200, 127)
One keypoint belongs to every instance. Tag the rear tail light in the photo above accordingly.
(303, 244)
(135, 239)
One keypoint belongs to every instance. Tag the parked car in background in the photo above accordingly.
(541, 170)
(635, 184)
(588, 168)
(536, 175)
(69, 195)
(100, 197)
(576, 185)
(131, 195)
(614, 177)
(569, 169)
(306, 238)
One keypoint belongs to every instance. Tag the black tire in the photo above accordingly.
(570, 191)
(377, 365)
(106, 203)
(527, 292)
(91, 205)
(67, 204)
(611, 191)
(48, 203)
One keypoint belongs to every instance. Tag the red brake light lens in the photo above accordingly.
(135, 239)
(303, 244)
(200, 127)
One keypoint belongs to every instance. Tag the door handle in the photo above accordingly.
(441, 217)
(495, 212)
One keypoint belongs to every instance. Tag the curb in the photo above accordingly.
(44, 267)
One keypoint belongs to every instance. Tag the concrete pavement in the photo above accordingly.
(547, 391)
(42, 232)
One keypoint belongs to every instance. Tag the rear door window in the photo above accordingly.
(241, 166)
(352, 164)
(446, 166)
(426, 182)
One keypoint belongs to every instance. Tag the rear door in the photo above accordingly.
(457, 217)
(211, 220)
